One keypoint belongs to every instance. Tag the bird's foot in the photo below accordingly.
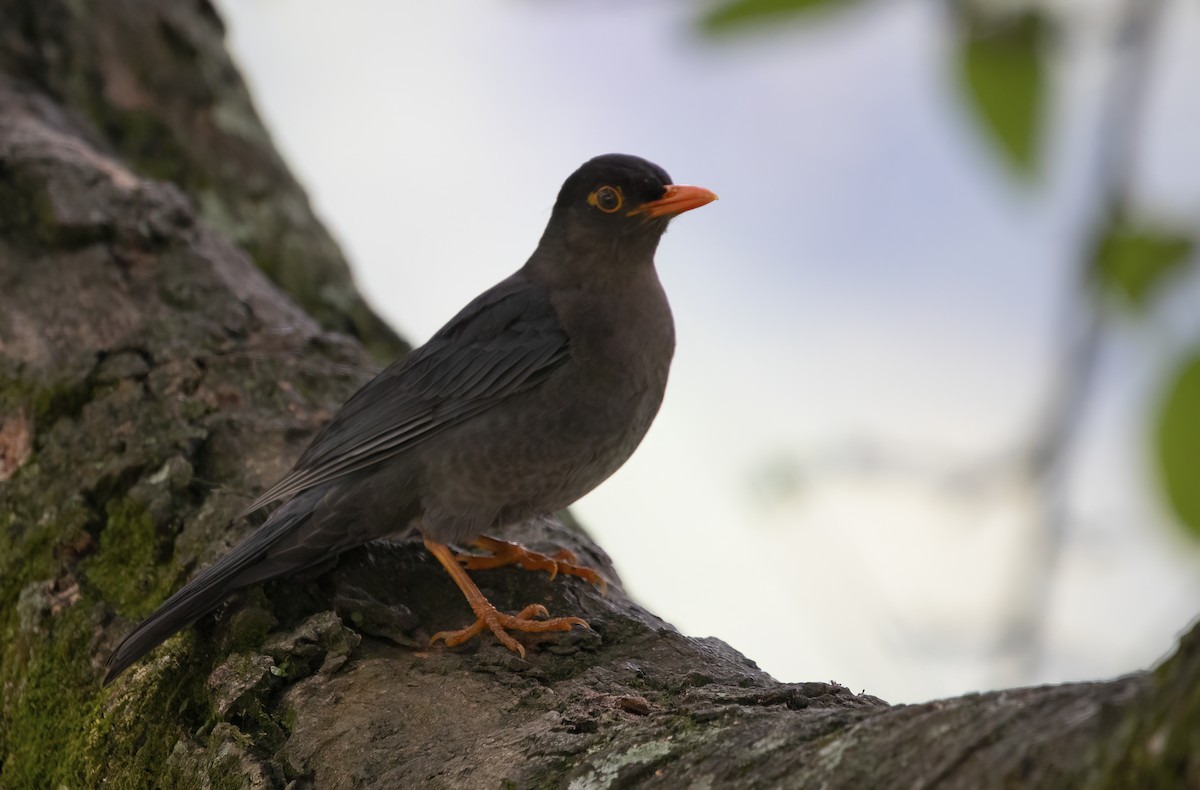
(505, 553)
(487, 616)
(499, 624)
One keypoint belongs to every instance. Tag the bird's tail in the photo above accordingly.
(205, 592)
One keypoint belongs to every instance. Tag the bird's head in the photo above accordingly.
(620, 203)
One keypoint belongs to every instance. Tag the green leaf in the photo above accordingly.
(1179, 445)
(1003, 69)
(736, 13)
(1134, 260)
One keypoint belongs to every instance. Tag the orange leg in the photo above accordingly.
(505, 553)
(487, 616)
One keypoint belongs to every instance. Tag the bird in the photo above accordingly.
(527, 399)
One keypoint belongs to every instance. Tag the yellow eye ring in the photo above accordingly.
(607, 199)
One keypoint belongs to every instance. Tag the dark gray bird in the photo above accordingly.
(533, 394)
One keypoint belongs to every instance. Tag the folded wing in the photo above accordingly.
(505, 341)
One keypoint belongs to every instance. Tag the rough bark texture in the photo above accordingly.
(156, 89)
(151, 378)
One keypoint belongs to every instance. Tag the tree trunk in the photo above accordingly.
(152, 377)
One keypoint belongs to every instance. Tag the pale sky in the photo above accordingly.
(871, 276)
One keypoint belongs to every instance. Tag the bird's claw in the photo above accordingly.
(499, 624)
(503, 553)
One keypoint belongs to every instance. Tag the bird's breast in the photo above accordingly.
(603, 401)
(555, 442)
(621, 345)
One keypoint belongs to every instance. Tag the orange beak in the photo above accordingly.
(678, 199)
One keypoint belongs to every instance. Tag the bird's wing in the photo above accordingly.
(505, 341)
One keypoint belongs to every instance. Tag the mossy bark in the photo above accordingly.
(152, 378)
(153, 84)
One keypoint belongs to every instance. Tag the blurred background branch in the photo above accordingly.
(1083, 327)
(1007, 58)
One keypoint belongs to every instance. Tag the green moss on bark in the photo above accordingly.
(154, 710)
(44, 733)
(129, 571)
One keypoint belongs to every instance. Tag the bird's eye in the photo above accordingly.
(607, 199)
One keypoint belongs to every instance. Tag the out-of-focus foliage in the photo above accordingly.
(1001, 66)
(1179, 444)
(1004, 50)
(1134, 260)
(738, 12)
(1000, 61)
